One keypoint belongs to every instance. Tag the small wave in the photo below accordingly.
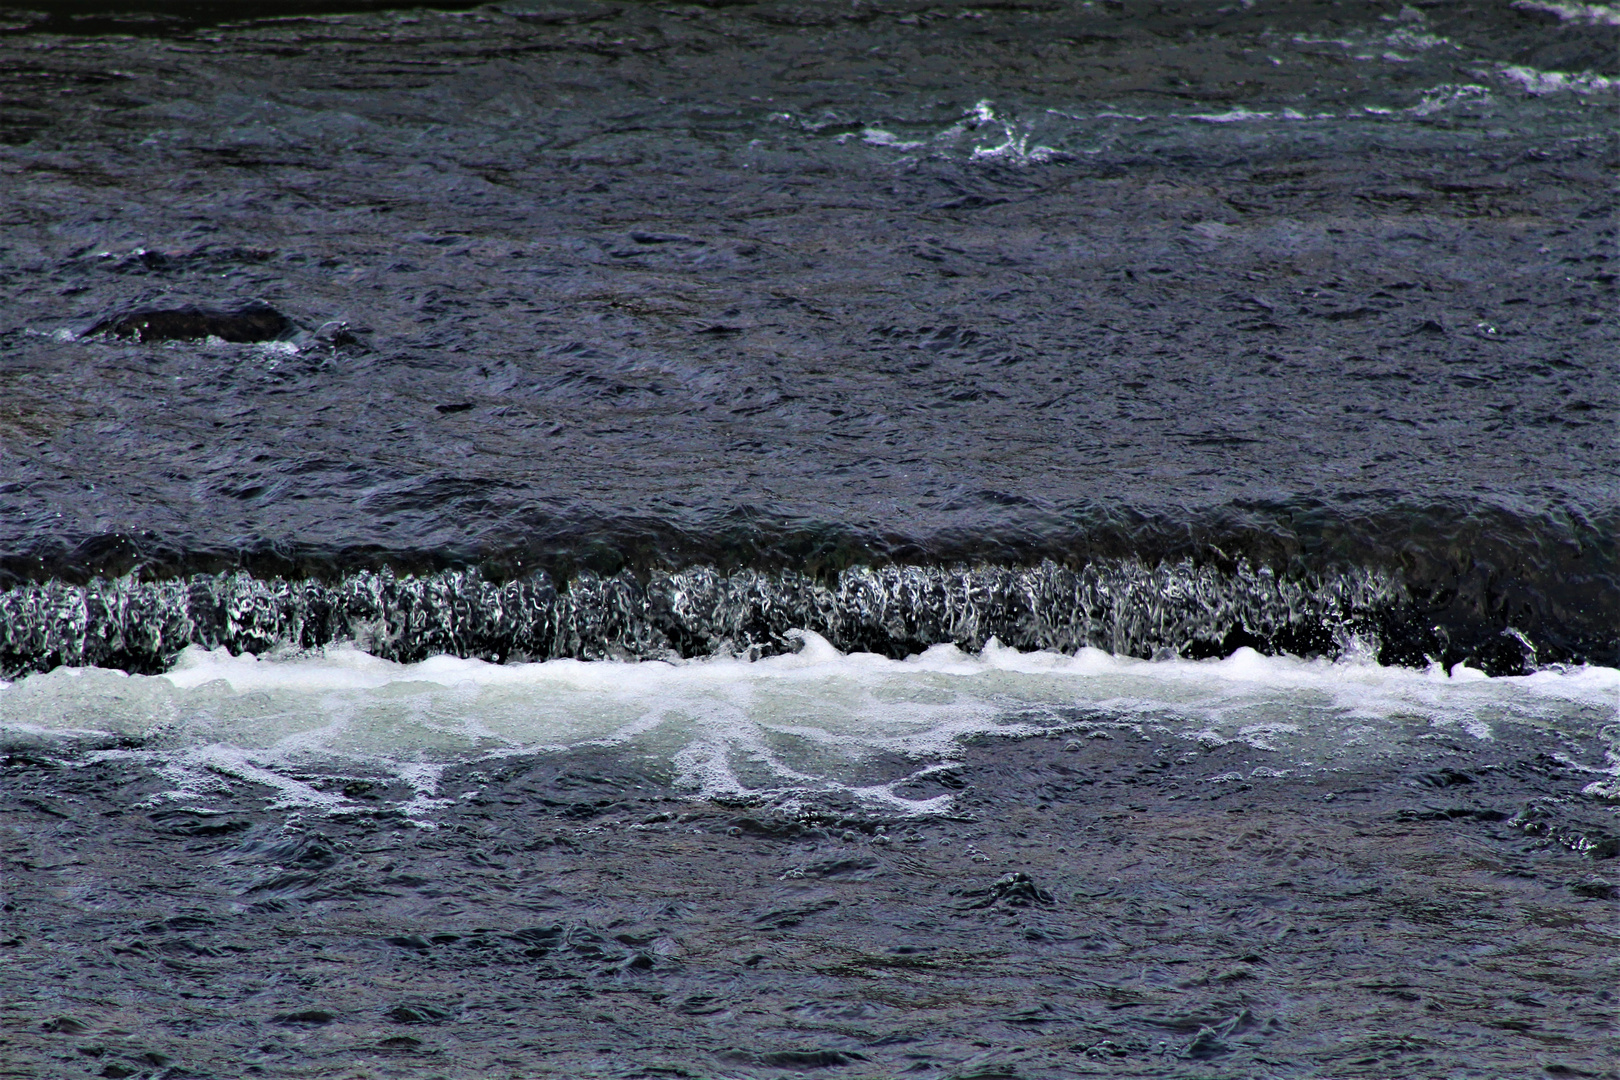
(1450, 95)
(1581, 14)
(878, 137)
(1539, 83)
(1014, 147)
(1240, 114)
(1381, 46)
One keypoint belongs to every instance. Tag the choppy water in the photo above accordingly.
(608, 539)
(585, 330)
(815, 723)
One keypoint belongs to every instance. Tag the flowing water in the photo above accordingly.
(864, 417)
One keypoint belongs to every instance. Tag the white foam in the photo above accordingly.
(1439, 98)
(878, 137)
(1234, 115)
(1540, 83)
(1371, 47)
(1015, 150)
(1416, 40)
(805, 722)
(1014, 147)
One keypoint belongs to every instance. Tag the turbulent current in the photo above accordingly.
(891, 537)
(559, 289)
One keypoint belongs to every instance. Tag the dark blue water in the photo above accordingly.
(587, 288)
(921, 417)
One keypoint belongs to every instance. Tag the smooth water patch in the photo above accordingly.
(814, 721)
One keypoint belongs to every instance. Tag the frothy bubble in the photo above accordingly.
(815, 721)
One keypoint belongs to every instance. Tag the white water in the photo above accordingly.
(818, 720)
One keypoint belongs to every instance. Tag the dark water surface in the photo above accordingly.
(798, 286)
(573, 538)
(1108, 907)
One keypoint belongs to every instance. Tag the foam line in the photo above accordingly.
(813, 720)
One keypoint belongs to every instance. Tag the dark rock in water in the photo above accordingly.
(255, 322)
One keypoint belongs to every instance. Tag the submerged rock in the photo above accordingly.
(255, 322)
